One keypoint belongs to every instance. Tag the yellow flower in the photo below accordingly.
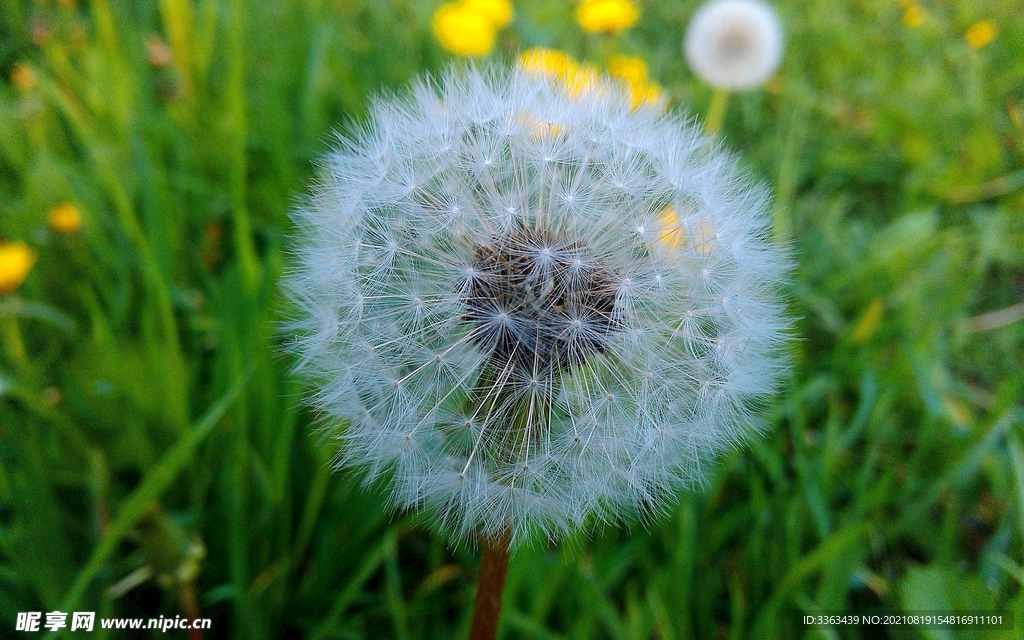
(633, 71)
(23, 78)
(913, 15)
(499, 12)
(607, 16)
(577, 79)
(463, 31)
(980, 34)
(553, 64)
(548, 62)
(645, 93)
(629, 68)
(64, 218)
(582, 81)
(670, 234)
(673, 235)
(16, 259)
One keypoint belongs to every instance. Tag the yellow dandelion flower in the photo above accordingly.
(583, 81)
(16, 259)
(499, 12)
(913, 15)
(23, 78)
(607, 16)
(672, 233)
(629, 68)
(633, 71)
(578, 78)
(645, 93)
(462, 31)
(64, 218)
(548, 62)
(980, 34)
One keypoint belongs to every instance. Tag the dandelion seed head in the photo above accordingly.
(734, 44)
(565, 335)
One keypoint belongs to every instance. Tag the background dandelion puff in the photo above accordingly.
(734, 44)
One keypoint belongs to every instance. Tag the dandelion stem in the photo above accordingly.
(716, 111)
(489, 587)
(190, 608)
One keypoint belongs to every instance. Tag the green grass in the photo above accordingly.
(153, 415)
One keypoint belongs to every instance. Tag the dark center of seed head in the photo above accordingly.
(539, 303)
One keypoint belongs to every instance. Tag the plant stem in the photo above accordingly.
(190, 608)
(489, 587)
(716, 112)
(13, 343)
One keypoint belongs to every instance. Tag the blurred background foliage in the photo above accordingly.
(157, 460)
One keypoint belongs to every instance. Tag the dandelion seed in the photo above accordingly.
(16, 260)
(734, 44)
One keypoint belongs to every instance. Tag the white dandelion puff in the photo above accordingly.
(521, 330)
(734, 44)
